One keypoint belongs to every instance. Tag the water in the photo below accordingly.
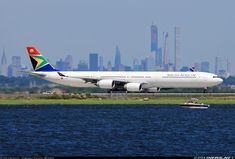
(117, 130)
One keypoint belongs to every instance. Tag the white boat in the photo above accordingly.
(194, 104)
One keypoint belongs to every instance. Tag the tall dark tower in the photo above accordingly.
(117, 60)
(4, 59)
(93, 62)
(3, 64)
(166, 49)
(177, 48)
(154, 38)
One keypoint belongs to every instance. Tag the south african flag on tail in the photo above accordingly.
(38, 61)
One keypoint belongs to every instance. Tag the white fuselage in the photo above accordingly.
(148, 80)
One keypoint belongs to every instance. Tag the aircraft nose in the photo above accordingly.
(219, 80)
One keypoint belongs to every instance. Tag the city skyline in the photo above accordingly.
(96, 64)
(81, 27)
(157, 60)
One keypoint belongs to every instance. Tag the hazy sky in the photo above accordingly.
(78, 27)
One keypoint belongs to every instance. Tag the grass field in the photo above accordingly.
(26, 100)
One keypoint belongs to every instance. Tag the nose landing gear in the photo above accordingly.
(205, 90)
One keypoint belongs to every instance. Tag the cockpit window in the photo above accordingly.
(215, 76)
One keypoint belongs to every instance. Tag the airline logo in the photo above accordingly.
(36, 58)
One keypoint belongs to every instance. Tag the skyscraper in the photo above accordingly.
(158, 58)
(151, 63)
(177, 48)
(16, 60)
(218, 64)
(101, 63)
(109, 66)
(205, 66)
(3, 65)
(117, 60)
(93, 62)
(69, 62)
(166, 50)
(136, 65)
(143, 65)
(155, 47)
(62, 65)
(154, 38)
(13, 69)
(82, 66)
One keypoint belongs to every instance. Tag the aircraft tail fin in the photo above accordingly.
(38, 61)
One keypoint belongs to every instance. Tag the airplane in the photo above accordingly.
(141, 81)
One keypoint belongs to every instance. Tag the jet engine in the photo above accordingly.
(133, 87)
(106, 84)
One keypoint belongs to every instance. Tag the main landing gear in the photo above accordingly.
(205, 90)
